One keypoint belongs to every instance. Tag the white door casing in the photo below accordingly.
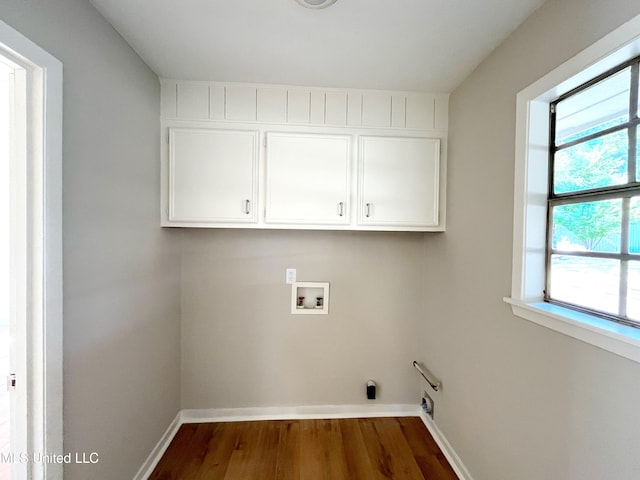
(36, 205)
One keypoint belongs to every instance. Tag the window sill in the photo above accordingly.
(610, 336)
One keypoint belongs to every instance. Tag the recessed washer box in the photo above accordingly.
(310, 298)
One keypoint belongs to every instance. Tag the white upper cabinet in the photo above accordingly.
(212, 175)
(398, 181)
(307, 178)
(239, 155)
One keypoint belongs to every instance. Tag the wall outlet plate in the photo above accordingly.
(427, 404)
(291, 276)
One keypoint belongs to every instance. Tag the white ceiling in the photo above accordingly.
(415, 45)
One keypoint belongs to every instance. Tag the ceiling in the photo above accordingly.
(414, 45)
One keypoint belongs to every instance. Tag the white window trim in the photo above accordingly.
(530, 195)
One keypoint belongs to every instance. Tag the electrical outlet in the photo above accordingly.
(291, 276)
(427, 404)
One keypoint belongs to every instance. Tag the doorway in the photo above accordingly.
(5, 282)
(30, 258)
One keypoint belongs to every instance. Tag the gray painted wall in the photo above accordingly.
(121, 271)
(519, 401)
(243, 348)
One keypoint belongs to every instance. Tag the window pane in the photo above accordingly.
(634, 225)
(633, 291)
(637, 153)
(600, 106)
(587, 226)
(600, 162)
(587, 282)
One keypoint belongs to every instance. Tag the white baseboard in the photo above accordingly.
(448, 451)
(298, 413)
(156, 454)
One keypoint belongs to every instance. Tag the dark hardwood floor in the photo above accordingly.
(340, 449)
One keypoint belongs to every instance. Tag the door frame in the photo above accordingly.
(38, 150)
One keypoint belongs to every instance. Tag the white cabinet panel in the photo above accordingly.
(298, 106)
(354, 109)
(398, 181)
(216, 103)
(212, 175)
(272, 105)
(442, 112)
(193, 101)
(240, 103)
(307, 178)
(317, 107)
(376, 110)
(398, 111)
(336, 108)
(169, 94)
(420, 111)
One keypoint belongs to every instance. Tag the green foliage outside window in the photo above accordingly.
(597, 163)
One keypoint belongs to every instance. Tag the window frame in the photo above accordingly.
(624, 192)
(531, 191)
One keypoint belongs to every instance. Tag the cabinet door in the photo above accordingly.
(307, 178)
(398, 181)
(212, 175)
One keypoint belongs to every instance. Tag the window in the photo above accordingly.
(593, 240)
(604, 59)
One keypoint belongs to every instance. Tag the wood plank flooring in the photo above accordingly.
(339, 449)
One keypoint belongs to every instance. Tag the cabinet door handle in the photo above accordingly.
(341, 209)
(367, 210)
(247, 207)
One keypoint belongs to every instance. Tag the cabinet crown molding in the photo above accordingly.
(300, 105)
